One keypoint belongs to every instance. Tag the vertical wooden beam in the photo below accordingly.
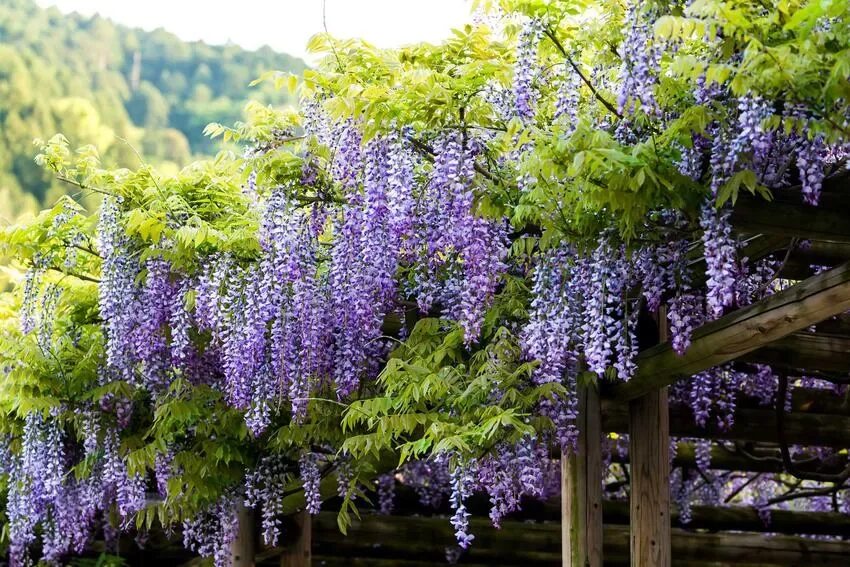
(581, 487)
(649, 452)
(242, 550)
(299, 551)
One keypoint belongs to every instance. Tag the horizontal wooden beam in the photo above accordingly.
(427, 539)
(816, 400)
(744, 519)
(787, 215)
(762, 458)
(418, 541)
(725, 549)
(837, 325)
(756, 425)
(823, 252)
(741, 332)
(805, 351)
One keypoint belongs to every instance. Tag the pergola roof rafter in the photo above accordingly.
(741, 332)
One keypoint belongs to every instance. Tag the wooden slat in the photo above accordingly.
(428, 539)
(242, 548)
(750, 424)
(581, 476)
(298, 551)
(741, 332)
(788, 215)
(649, 450)
(386, 540)
(745, 519)
(807, 351)
(735, 549)
(821, 252)
(768, 460)
(816, 400)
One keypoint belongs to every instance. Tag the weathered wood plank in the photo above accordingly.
(788, 215)
(768, 459)
(736, 549)
(581, 477)
(242, 549)
(751, 424)
(809, 351)
(745, 519)
(649, 449)
(741, 332)
(387, 540)
(298, 551)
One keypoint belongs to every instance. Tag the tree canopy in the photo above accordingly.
(122, 89)
(416, 268)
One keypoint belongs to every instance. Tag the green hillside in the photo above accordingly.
(99, 82)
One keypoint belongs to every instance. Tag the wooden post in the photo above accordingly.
(649, 452)
(581, 487)
(299, 549)
(242, 549)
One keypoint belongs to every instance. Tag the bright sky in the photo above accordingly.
(285, 25)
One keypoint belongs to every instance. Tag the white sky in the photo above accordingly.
(285, 25)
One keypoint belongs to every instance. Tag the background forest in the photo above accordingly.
(122, 89)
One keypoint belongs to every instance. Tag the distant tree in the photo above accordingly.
(147, 107)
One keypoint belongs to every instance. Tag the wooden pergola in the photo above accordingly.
(803, 330)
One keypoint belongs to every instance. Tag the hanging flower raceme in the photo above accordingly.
(155, 301)
(609, 327)
(42, 490)
(526, 70)
(461, 256)
(514, 472)
(265, 486)
(117, 290)
(212, 533)
(461, 484)
(566, 105)
(810, 164)
(720, 258)
(641, 58)
(311, 477)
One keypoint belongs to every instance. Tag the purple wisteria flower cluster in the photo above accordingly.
(461, 486)
(212, 533)
(526, 70)
(641, 57)
(42, 490)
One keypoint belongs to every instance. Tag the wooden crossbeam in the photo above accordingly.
(806, 351)
(741, 332)
(418, 541)
(581, 487)
(814, 400)
(821, 252)
(767, 460)
(757, 425)
(242, 549)
(728, 549)
(791, 219)
(788, 215)
(744, 519)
